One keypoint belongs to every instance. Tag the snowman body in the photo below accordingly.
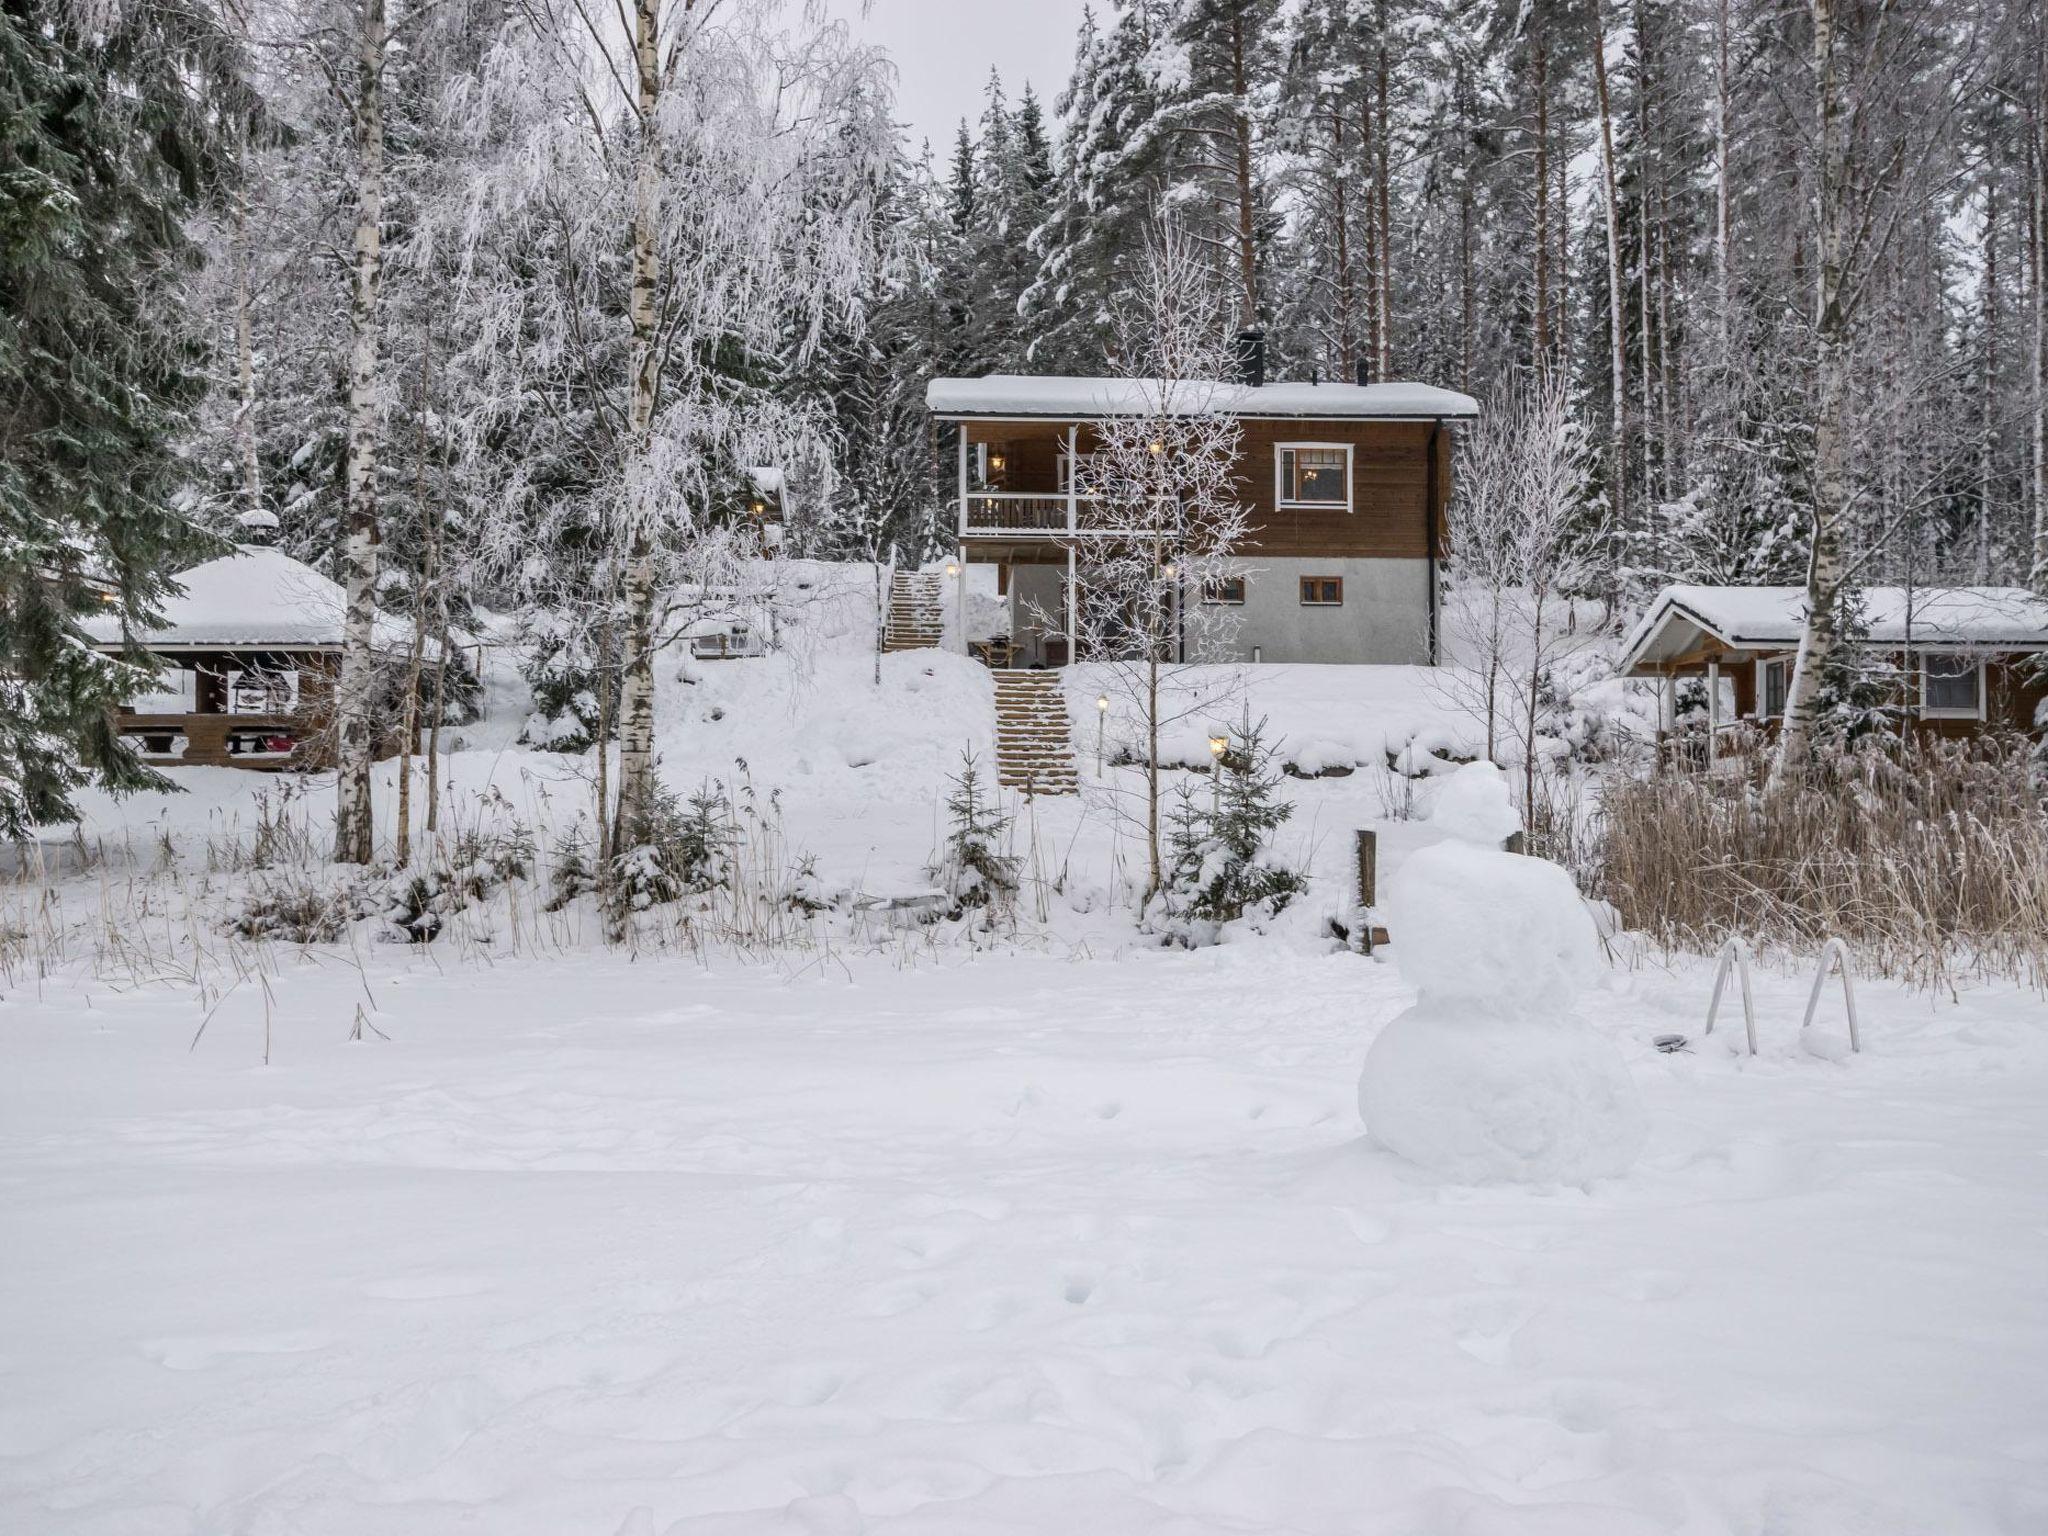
(1492, 1076)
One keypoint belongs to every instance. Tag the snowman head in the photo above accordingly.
(1483, 932)
(1473, 806)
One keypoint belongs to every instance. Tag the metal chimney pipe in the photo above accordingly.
(1251, 357)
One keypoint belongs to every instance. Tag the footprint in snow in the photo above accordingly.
(428, 1287)
(200, 1353)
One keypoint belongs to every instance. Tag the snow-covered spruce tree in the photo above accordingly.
(1109, 181)
(110, 137)
(1913, 70)
(972, 867)
(1162, 489)
(1223, 862)
(668, 167)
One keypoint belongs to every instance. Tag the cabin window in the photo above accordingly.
(1951, 687)
(1774, 679)
(263, 691)
(1322, 591)
(1226, 590)
(1315, 475)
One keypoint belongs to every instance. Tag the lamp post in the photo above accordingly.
(1218, 745)
(1101, 720)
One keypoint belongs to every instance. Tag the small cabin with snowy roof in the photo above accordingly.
(1347, 486)
(251, 651)
(1971, 658)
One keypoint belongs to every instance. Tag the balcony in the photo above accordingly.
(1013, 514)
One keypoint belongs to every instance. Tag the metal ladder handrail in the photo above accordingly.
(1836, 950)
(1737, 952)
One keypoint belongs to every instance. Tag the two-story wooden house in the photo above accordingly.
(1347, 486)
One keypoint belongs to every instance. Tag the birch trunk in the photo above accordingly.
(408, 741)
(1825, 570)
(1540, 68)
(1724, 276)
(355, 831)
(1367, 144)
(1385, 361)
(1347, 332)
(636, 686)
(1647, 400)
(2037, 350)
(1247, 223)
(1988, 424)
(245, 353)
(1617, 341)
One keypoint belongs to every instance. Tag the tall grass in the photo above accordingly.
(1932, 862)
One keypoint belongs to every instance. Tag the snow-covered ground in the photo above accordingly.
(1076, 1242)
(942, 1232)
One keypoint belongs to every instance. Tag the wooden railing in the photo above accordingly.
(223, 740)
(988, 514)
(1000, 512)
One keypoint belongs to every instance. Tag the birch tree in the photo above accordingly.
(1164, 509)
(1886, 86)
(695, 180)
(355, 725)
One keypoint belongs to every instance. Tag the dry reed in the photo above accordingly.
(1932, 863)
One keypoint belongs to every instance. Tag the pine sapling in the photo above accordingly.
(972, 868)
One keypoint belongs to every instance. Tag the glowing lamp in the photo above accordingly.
(996, 461)
(952, 567)
(1218, 745)
(1158, 448)
(1102, 703)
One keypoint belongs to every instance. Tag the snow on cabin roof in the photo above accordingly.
(1774, 618)
(256, 597)
(767, 480)
(1004, 395)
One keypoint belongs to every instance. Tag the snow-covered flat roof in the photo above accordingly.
(1774, 618)
(1025, 396)
(256, 597)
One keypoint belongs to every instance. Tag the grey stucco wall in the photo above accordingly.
(1384, 619)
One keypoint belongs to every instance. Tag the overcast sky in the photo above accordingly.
(943, 50)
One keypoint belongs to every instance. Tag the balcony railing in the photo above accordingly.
(1008, 512)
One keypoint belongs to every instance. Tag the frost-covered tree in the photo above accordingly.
(664, 160)
(1163, 488)
(111, 138)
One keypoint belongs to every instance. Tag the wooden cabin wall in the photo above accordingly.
(1391, 482)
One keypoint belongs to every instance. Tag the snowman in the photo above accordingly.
(1491, 1077)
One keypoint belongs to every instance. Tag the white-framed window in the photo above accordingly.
(1312, 475)
(1951, 686)
(263, 691)
(1773, 684)
(1224, 591)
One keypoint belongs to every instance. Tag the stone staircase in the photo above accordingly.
(917, 611)
(1034, 739)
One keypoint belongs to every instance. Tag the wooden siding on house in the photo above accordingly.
(1392, 484)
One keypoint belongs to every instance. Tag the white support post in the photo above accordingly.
(960, 581)
(960, 602)
(963, 480)
(1667, 693)
(1713, 711)
(1073, 480)
(1073, 604)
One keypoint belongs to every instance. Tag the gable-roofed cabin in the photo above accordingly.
(1347, 486)
(251, 652)
(1970, 659)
